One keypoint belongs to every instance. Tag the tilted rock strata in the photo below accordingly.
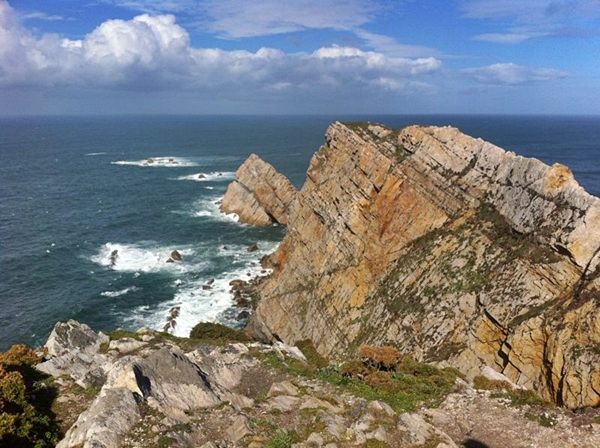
(259, 195)
(448, 247)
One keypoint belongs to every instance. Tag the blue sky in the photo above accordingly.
(299, 56)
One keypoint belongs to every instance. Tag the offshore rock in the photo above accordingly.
(447, 247)
(259, 195)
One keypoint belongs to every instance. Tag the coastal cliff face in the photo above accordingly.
(259, 195)
(447, 247)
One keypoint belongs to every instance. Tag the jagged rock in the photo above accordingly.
(170, 260)
(206, 287)
(242, 315)
(66, 337)
(448, 246)
(416, 431)
(201, 176)
(113, 258)
(252, 248)
(283, 388)
(259, 195)
(176, 256)
(126, 345)
(237, 284)
(239, 429)
(105, 423)
(74, 350)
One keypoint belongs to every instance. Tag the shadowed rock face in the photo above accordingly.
(448, 247)
(259, 195)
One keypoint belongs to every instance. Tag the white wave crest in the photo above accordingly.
(207, 177)
(142, 258)
(209, 208)
(95, 154)
(196, 302)
(122, 292)
(169, 162)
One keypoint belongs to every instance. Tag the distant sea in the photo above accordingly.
(75, 189)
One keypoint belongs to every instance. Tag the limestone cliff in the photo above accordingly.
(447, 247)
(259, 195)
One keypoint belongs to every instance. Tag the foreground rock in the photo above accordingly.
(157, 393)
(449, 247)
(259, 195)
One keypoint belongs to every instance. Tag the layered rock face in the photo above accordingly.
(259, 195)
(447, 247)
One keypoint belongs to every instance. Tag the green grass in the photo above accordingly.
(410, 384)
(217, 333)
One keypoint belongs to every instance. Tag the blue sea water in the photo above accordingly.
(74, 189)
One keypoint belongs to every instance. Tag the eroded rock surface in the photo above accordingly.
(448, 247)
(259, 195)
(197, 395)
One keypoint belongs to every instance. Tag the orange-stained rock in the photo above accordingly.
(447, 247)
(259, 195)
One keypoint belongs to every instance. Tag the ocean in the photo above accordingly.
(75, 189)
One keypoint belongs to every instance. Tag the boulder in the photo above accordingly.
(74, 350)
(252, 248)
(105, 424)
(176, 256)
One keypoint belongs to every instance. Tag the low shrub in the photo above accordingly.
(380, 358)
(25, 399)
(213, 332)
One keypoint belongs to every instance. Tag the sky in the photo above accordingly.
(299, 57)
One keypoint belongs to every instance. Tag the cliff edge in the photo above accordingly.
(447, 247)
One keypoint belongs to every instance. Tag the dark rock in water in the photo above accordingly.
(252, 248)
(113, 257)
(176, 256)
(267, 262)
(238, 284)
(201, 176)
(206, 287)
(211, 281)
(243, 315)
(170, 260)
(149, 161)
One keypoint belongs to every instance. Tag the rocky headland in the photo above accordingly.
(447, 247)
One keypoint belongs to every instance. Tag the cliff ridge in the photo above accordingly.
(447, 247)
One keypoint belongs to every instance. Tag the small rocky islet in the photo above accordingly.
(419, 256)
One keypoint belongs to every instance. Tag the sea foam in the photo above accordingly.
(169, 162)
(207, 177)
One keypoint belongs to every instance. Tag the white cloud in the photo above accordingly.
(37, 15)
(392, 47)
(512, 74)
(152, 53)
(533, 19)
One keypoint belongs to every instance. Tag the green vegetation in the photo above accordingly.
(217, 334)
(25, 400)
(381, 373)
